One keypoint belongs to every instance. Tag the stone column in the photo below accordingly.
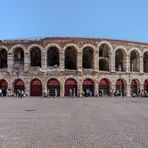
(96, 61)
(112, 62)
(26, 62)
(79, 61)
(62, 89)
(141, 64)
(62, 61)
(128, 90)
(80, 86)
(43, 61)
(10, 61)
(96, 86)
(127, 63)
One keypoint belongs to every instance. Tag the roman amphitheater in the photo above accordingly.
(79, 64)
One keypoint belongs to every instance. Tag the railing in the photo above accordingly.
(88, 72)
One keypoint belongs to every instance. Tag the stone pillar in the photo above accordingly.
(10, 61)
(96, 86)
(128, 90)
(141, 64)
(80, 86)
(43, 61)
(62, 89)
(112, 62)
(96, 61)
(79, 61)
(127, 63)
(26, 62)
(62, 61)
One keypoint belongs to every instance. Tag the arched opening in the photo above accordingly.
(4, 86)
(53, 87)
(71, 58)
(19, 57)
(88, 87)
(135, 87)
(104, 57)
(53, 57)
(146, 87)
(145, 62)
(87, 58)
(36, 88)
(120, 87)
(134, 61)
(19, 85)
(103, 65)
(35, 57)
(104, 87)
(119, 60)
(3, 58)
(70, 85)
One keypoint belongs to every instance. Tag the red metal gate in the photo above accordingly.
(36, 88)
(104, 87)
(52, 86)
(88, 87)
(19, 84)
(70, 84)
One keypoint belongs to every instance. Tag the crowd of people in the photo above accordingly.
(73, 93)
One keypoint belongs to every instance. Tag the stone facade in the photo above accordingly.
(112, 60)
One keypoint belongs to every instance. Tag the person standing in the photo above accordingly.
(55, 93)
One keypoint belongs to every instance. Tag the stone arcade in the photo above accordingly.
(77, 63)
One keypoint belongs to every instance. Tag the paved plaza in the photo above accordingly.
(73, 123)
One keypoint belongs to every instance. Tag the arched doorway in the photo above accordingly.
(104, 57)
(52, 86)
(71, 58)
(19, 56)
(146, 87)
(19, 84)
(36, 88)
(87, 58)
(70, 84)
(120, 60)
(145, 62)
(88, 87)
(104, 87)
(53, 57)
(135, 87)
(3, 58)
(134, 61)
(120, 87)
(35, 55)
(4, 86)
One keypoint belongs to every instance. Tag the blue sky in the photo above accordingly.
(116, 19)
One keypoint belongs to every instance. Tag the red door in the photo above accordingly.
(52, 85)
(19, 84)
(4, 86)
(88, 87)
(70, 84)
(36, 88)
(104, 86)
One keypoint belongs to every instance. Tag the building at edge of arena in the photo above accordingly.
(80, 64)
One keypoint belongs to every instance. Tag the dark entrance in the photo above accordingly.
(88, 87)
(19, 84)
(134, 88)
(70, 84)
(36, 88)
(104, 87)
(120, 87)
(146, 87)
(53, 85)
(3, 86)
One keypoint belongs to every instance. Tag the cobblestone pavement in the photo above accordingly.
(74, 123)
